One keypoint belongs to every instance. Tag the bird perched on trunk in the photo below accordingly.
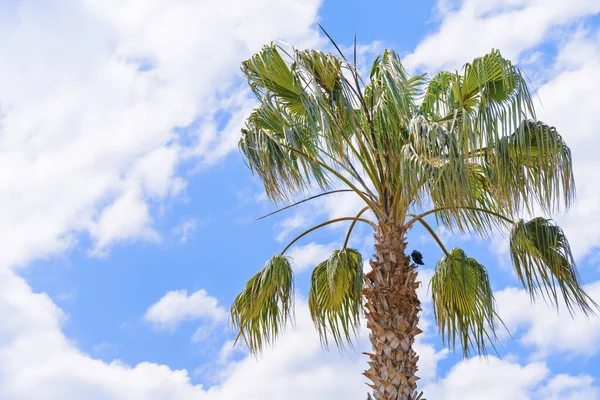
(417, 257)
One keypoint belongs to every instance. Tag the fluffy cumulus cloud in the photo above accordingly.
(94, 98)
(471, 28)
(39, 362)
(569, 102)
(177, 306)
(567, 387)
(308, 256)
(500, 379)
(480, 379)
(547, 331)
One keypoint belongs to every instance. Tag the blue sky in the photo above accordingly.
(128, 215)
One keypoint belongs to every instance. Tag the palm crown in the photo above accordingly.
(464, 148)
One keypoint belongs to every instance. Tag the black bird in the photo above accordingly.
(417, 257)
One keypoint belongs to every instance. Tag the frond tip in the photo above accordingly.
(262, 309)
(335, 296)
(543, 260)
(463, 302)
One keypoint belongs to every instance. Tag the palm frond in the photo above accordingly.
(463, 302)
(335, 298)
(495, 95)
(435, 169)
(262, 309)
(316, 196)
(270, 75)
(437, 99)
(265, 140)
(464, 200)
(544, 263)
(492, 79)
(533, 166)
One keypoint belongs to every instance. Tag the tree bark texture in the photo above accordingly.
(392, 311)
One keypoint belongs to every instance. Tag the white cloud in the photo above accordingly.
(37, 361)
(474, 27)
(91, 94)
(567, 387)
(309, 255)
(490, 379)
(549, 332)
(493, 378)
(177, 306)
(291, 224)
(185, 229)
(155, 172)
(127, 218)
(297, 368)
(570, 102)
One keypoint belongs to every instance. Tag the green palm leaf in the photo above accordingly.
(266, 141)
(335, 296)
(463, 302)
(436, 99)
(543, 260)
(491, 79)
(262, 309)
(269, 75)
(534, 165)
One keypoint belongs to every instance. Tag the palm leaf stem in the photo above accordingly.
(433, 234)
(361, 212)
(418, 217)
(305, 200)
(332, 221)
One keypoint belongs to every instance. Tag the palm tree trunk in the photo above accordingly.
(392, 311)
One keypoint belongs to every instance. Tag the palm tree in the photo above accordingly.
(462, 147)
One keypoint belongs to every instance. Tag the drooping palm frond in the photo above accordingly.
(457, 186)
(495, 97)
(335, 298)
(533, 165)
(463, 302)
(472, 205)
(266, 142)
(262, 309)
(543, 260)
